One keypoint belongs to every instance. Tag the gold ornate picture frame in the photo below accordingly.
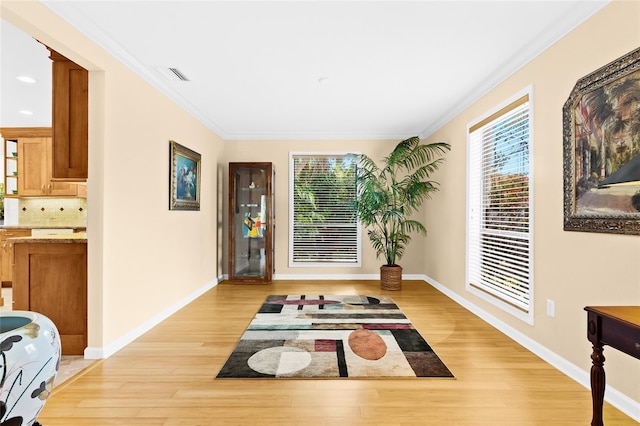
(184, 178)
(601, 150)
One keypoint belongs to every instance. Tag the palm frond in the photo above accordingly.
(388, 195)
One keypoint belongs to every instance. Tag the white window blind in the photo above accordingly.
(499, 233)
(324, 229)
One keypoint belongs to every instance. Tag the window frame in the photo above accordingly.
(291, 262)
(526, 315)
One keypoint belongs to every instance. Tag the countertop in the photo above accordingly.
(41, 227)
(77, 237)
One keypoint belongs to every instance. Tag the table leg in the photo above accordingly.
(597, 384)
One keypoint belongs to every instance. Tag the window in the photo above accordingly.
(499, 247)
(323, 229)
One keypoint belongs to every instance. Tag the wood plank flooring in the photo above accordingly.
(167, 376)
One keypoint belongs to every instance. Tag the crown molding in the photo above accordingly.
(74, 17)
(545, 39)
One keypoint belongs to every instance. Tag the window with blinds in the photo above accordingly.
(323, 229)
(499, 249)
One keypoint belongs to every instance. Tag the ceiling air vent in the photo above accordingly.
(179, 74)
(173, 74)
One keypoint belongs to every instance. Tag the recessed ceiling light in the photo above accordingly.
(26, 112)
(26, 79)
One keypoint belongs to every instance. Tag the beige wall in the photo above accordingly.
(143, 258)
(277, 152)
(574, 269)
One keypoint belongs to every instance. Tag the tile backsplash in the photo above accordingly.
(71, 212)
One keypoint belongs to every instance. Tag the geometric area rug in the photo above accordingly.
(330, 336)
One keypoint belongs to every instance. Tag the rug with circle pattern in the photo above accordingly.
(331, 336)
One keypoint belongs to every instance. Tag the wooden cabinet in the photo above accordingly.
(32, 167)
(70, 119)
(6, 253)
(35, 170)
(251, 222)
(51, 278)
(10, 155)
(29, 164)
(13, 164)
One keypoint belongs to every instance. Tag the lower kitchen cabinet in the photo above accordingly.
(51, 278)
(6, 253)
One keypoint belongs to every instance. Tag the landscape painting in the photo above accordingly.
(602, 150)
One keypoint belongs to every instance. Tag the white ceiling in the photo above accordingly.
(21, 55)
(309, 69)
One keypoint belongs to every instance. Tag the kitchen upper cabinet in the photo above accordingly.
(35, 168)
(70, 119)
(31, 175)
(32, 167)
(10, 165)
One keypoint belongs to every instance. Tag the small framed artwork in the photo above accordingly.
(601, 150)
(184, 180)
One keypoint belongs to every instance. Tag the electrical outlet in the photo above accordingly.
(551, 308)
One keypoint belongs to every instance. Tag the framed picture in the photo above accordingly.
(184, 180)
(601, 150)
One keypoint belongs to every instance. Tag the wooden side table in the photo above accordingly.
(618, 327)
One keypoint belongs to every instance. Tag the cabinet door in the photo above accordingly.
(51, 278)
(250, 227)
(32, 167)
(5, 258)
(70, 119)
(34, 170)
(56, 188)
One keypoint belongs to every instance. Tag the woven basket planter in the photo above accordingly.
(391, 277)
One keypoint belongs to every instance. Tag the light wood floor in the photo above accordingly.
(166, 377)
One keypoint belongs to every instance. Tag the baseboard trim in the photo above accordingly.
(93, 353)
(311, 277)
(613, 396)
(122, 341)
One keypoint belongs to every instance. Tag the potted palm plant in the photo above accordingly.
(388, 195)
